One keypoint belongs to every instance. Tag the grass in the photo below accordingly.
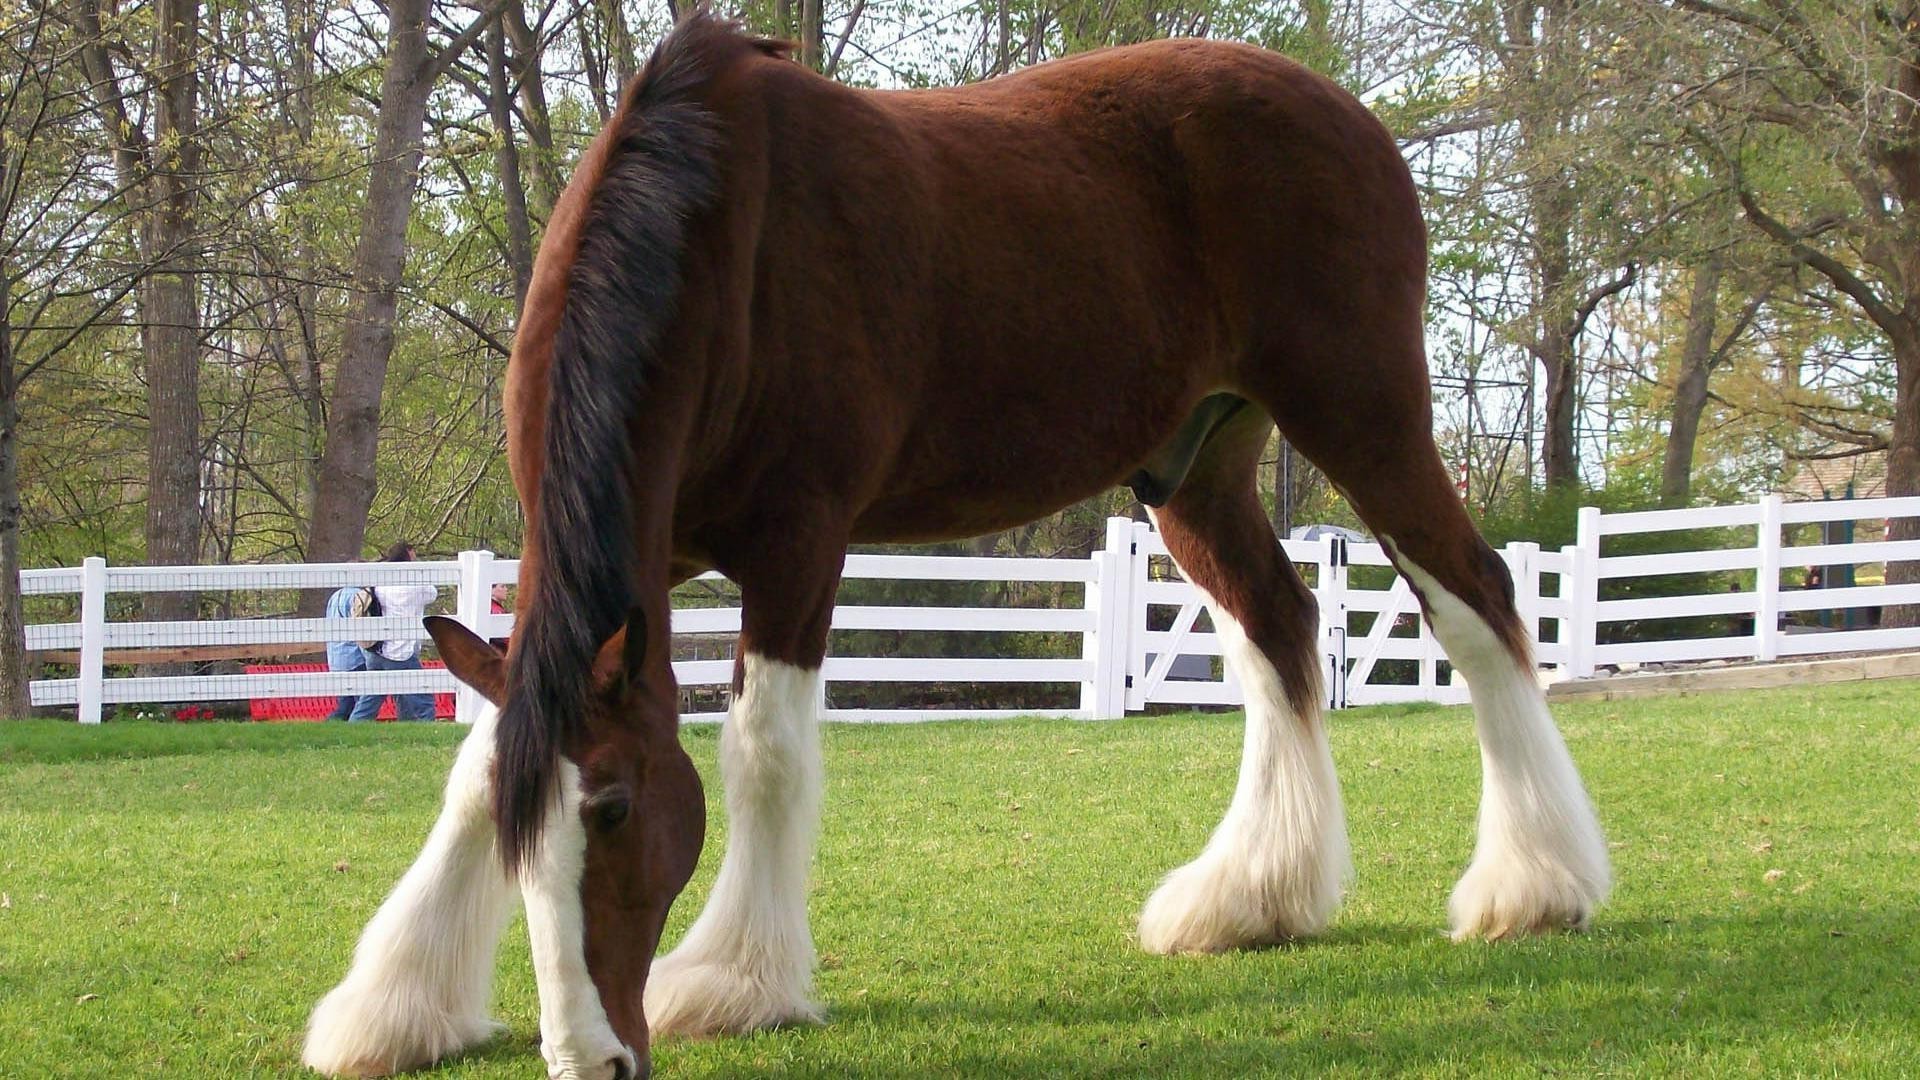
(176, 898)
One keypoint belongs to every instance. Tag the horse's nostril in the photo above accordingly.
(621, 1071)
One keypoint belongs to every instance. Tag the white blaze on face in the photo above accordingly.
(575, 1037)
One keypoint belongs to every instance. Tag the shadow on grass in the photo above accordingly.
(1632, 995)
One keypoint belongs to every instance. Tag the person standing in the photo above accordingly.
(499, 598)
(408, 602)
(344, 655)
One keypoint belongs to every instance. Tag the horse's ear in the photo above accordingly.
(472, 659)
(622, 658)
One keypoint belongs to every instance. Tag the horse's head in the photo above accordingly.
(616, 847)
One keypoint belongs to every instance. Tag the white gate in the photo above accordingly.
(1374, 646)
(1163, 666)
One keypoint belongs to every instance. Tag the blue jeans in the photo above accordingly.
(407, 706)
(345, 661)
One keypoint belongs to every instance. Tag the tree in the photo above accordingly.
(58, 215)
(347, 467)
(160, 177)
(1841, 79)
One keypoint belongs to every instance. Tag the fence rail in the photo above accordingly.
(1144, 633)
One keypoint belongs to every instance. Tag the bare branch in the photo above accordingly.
(1883, 316)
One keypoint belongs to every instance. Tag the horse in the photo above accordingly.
(772, 316)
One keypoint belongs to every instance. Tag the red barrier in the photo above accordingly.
(319, 708)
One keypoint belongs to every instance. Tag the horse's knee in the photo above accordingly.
(770, 744)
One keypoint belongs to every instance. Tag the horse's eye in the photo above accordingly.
(608, 809)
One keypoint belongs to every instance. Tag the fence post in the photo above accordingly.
(1766, 585)
(1585, 606)
(1333, 618)
(471, 606)
(1523, 560)
(1139, 574)
(1564, 622)
(93, 639)
(1109, 599)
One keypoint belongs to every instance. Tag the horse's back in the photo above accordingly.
(1105, 238)
(1178, 175)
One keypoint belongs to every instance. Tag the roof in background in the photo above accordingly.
(1860, 476)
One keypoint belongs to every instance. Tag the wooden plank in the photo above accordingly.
(1678, 607)
(142, 579)
(1706, 517)
(966, 568)
(190, 654)
(1866, 551)
(1851, 509)
(1662, 652)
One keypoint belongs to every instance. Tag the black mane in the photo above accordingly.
(622, 290)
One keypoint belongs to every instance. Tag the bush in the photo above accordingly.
(1550, 518)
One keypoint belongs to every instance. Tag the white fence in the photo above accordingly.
(1139, 625)
(1784, 540)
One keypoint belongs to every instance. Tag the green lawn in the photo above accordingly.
(176, 898)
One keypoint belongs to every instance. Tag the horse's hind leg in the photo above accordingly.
(423, 970)
(1273, 869)
(1540, 862)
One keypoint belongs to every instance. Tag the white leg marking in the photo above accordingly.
(1540, 862)
(423, 970)
(575, 1037)
(1274, 867)
(747, 961)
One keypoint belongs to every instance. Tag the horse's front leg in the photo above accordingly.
(747, 962)
(423, 970)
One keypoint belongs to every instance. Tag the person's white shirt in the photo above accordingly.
(408, 602)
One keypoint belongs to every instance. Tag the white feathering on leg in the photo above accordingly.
(422, 973)
(1540, 862)
(1273, 869)
(747, 961)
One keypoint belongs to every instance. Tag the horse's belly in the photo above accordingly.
(994, 475)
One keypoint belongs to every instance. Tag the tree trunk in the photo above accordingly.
(543, 165)
(1282, 487)
(1003, 41)
(1903, 468)
(15, 701)
(347, 477)
(621, 52)
(813, 35)
(1690, 385)
(513, 192)
(1558, 347)
(170, 319)
(1559, 456)
(1539, 53)
(302, 28)
(1901, 160)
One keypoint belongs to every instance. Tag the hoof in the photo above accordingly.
(695, 998)
(1208, 907)
(1510, 896)
(357, 1031)
(612, 1062)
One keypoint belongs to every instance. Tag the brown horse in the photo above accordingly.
(773, 315)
